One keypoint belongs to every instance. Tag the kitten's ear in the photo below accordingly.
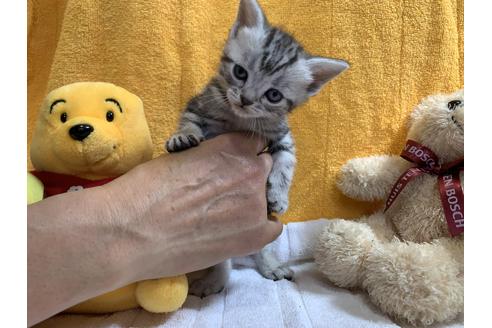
(249, 15)
(324, 70)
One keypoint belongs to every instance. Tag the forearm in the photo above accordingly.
(72, 247)
(83, 244)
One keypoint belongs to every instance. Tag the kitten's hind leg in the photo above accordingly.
(270, 267)
(188, 135)
(214, 281)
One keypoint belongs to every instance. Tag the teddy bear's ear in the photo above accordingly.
(423, 106)
(460, 94)
(418, 111)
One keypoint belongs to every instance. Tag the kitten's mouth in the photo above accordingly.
(237, 108)
(245, 112)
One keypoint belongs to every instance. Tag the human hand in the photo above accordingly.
(194, 209)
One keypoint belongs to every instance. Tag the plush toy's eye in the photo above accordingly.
(453, 104)
(274, 96)
(109, 116)
(240, 73)
(63, 117)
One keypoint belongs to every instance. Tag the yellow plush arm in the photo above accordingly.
(35, 189)
(155, 295)
(117, 300)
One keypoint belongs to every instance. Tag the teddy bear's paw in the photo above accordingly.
(419, 283)
(341, 250)
(182, 141)
(205, 287)
(368, 178)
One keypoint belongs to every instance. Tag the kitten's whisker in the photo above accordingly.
(219, 101)
(253, 130)
(260, 128)
(208, 98)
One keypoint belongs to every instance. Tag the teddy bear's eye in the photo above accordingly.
(109, 116)
(63, 117)
(453, 104)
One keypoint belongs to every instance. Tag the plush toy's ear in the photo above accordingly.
(249, 15)
(324, 70)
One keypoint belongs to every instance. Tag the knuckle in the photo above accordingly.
(258, 246)
(261, 167)
(258, 208)
(258, 182)
(266, 162)
(252, 169)
(259, 240)
(269, 235)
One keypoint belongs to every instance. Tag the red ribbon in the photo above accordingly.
(448, 176)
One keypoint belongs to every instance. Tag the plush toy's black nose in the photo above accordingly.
(80, 131)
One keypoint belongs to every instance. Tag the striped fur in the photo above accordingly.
(272, 59)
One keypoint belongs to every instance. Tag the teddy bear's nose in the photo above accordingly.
(80, 131)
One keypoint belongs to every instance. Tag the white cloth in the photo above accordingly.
(252, 301)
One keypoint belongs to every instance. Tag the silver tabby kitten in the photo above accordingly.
(263, 75)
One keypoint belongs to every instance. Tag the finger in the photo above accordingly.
(272, 230)
(255, 144)
(241, 142)
(260, 145)
(265, 162)
(268, 233)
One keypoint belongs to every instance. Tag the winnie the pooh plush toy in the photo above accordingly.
(87, 134)
(408, 257)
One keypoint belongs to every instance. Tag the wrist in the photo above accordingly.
(128, 204)
(114, 214)
(115, 252)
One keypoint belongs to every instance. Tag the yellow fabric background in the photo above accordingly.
(166, 50)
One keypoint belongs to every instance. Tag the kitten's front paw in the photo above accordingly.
(181, 141)
(277, 273)
(278, 202)
(205, 287)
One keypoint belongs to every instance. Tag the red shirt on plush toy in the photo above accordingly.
(55, 183)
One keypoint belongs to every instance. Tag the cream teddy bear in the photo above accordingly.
(408, 257)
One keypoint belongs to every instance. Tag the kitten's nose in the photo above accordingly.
(80, 131)
(245, 101)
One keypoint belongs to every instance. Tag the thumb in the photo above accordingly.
(273, 228)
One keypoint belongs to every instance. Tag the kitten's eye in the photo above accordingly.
(453, 104)
(109, 116)
(274, 96)
(63, 117)
(240, 73)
